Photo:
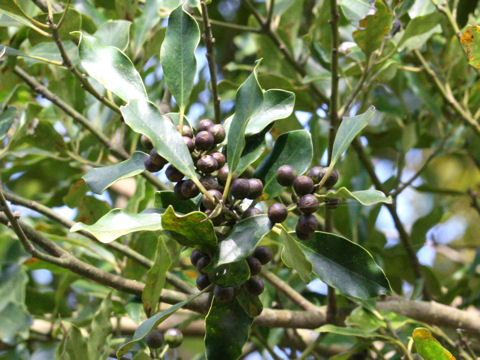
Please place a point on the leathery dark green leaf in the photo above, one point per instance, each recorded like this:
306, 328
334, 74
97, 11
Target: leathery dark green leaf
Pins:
193, 229
227, 327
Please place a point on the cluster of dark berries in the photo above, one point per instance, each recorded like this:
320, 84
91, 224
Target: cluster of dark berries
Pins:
255, 286
172, 337
304, 187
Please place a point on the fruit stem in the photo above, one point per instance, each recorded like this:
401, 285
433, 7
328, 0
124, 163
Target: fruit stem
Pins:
164, 351
227, 186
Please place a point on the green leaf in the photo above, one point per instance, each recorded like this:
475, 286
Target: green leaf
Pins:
364, 197
355, 10
15, 320
227, 327
49, 51
373, 28
101, 329
151, 323
99, 179
470, 40
6, 120
294, 257
145, 118
192, 230
155, 280
293, 148
114, 33
254, 147
141, 356
117, 223
232, 274
248, 101
361, 333
73, 345
111, 68
345, 265
429, 347
277, 104
243, 239
251, 304
419, 26
177, 54
349, 128
13, 12
164, 199
366, 320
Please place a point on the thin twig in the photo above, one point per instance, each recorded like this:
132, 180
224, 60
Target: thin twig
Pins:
209, 43
230, 25
475, 204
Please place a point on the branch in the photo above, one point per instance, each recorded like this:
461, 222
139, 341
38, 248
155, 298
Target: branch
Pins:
473, 196
209, 42
119, 153
120, 248
232, 26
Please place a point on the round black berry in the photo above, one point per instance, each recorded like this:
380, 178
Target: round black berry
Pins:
306, 226
219, 157
207, 164
224, 294
146, 142
256, 188
255, 285
303, 185
189, 142
317, 173
154, 339
240, 188
209, 182
202, 263
332, 179
173, 174
222, 174
186, 130
195, 256
218, 132
202, 281
264, 254
286, 174
277, 213
332, 203
255, 265
177, 189
252, 211
173, 338
204, 140
157, 159
189, 189
209, 204
308, 204
150, 166
204, 125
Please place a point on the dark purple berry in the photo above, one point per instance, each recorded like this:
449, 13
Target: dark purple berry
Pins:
220, 158
240, 188
195, 256
286, 174
204, 125
224, 294
255, 265
264, 254
209, 182
150, 166
202, 263
189, 189
154, 339
177, 189
332, 203
252, 211
303, 185
207, 164
277, 213
202, 281
189, 142
186, 130
204, 140
209, 204
308, 204
317, 173
173, 338
157, 159
255, 285
256, 188
146, 142
303, 235
222, 174
173, 174
218, 132
332, 179
306, 226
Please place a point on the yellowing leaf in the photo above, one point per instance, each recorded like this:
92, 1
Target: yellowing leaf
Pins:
470, 40
429, 347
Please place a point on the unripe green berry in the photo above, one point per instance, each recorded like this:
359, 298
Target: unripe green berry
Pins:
173, 338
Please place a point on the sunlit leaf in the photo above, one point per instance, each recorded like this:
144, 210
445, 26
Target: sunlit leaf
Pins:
429, 347
364, 197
